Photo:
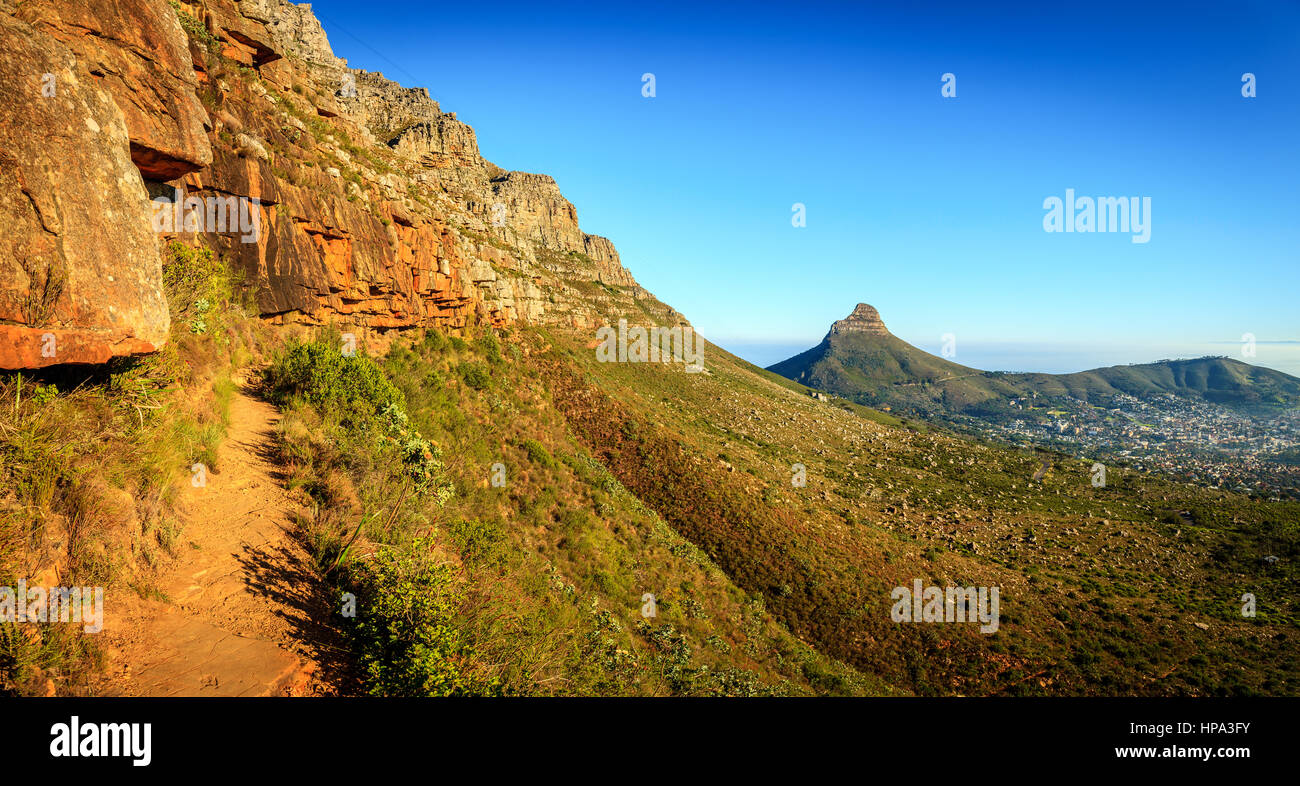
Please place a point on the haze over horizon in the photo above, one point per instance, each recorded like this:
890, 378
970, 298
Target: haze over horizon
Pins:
938, 202
1045, 357
1050, 359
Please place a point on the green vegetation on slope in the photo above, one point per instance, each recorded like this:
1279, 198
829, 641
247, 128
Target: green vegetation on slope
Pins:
499, 508
533, 584
1104, 590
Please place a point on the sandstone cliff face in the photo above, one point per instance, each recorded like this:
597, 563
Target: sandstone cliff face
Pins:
136, 51
864, 319
370, 206
80, 279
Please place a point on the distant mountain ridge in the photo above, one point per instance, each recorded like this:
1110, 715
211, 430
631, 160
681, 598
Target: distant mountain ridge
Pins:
862, 361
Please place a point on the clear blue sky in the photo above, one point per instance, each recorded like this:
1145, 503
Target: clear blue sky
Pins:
929, 208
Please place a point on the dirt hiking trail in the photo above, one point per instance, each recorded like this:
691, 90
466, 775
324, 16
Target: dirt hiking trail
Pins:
241, 611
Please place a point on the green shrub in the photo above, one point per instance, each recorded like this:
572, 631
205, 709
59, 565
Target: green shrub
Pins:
355, 391
421, 458
434, 341
353, 387
475, 375
195, 281
404, 633
193, 27
538, 454
490, 348
476, 540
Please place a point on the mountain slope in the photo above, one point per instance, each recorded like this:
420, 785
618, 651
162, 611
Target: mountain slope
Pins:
1220, 380
1091, 578
861, 360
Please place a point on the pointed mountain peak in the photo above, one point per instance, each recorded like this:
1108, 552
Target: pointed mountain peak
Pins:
864, 319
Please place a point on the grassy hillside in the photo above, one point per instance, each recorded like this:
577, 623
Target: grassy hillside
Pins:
532, 574
502, 504
1104, 591
1216, 379
625, 479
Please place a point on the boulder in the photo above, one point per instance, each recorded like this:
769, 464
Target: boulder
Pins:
80, 271
138, 52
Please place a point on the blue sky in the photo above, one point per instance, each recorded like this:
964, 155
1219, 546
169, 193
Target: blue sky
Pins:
929, 208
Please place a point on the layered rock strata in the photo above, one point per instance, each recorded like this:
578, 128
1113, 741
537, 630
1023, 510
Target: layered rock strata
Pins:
340, 195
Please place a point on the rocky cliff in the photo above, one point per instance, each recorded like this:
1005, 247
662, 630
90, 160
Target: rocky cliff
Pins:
864, 319
340, 195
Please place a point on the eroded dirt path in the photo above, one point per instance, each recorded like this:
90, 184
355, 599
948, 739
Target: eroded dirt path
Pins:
241, 611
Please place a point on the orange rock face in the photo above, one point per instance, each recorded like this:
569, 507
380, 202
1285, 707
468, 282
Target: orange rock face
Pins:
79, 263
340, 195
138, 52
